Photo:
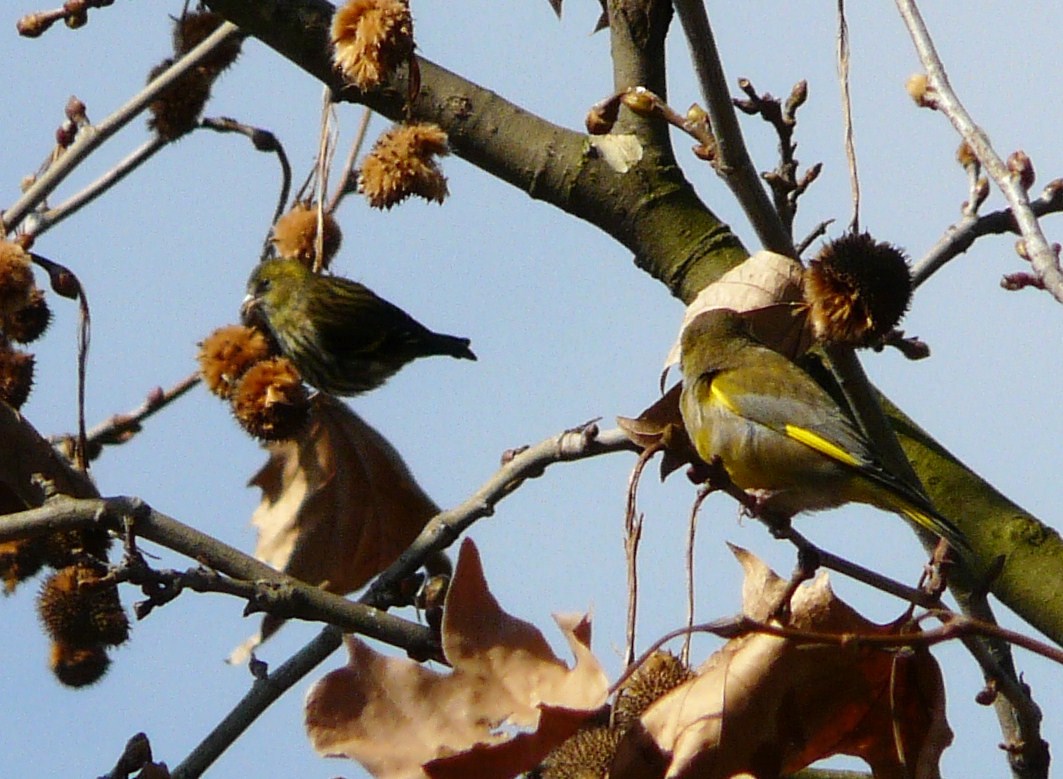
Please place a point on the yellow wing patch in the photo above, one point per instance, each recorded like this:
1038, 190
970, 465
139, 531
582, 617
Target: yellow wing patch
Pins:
720, 397
821, 444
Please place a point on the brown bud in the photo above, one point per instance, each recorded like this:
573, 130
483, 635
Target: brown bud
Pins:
1021, 168
75, 111
640, 100
920, 91
602, 116
965, 155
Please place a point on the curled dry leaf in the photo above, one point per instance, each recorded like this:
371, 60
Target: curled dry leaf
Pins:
401, 720
768, 706
768, 286
662, 424
338, 505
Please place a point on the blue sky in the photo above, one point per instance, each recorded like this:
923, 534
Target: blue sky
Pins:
566, 329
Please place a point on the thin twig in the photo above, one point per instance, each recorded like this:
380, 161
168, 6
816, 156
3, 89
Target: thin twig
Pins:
305, 602
349, 180
692, 529
120, 427
632, 537
91, 138
264, 691
1043, 258
847, 115
444, 528
265, 141
41, 221
733, 157
959, 237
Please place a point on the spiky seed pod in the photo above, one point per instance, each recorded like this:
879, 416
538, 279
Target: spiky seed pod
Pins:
67, 547
587, 754
270, 401
176, 110
29, 322
227, 353
77, 610
16, 376
78, 666
402, 163
370, 38
19, 560
193, 28
661, 673
295, 235
16, 277
857, 289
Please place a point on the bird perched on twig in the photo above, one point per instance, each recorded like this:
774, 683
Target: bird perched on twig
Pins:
342, 337
780, 435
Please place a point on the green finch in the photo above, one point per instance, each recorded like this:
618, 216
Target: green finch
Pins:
341, 337
779, 435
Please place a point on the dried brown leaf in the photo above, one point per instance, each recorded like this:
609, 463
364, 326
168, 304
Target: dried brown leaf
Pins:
399, 719
338, 504
662, 424
767, 288
767, 706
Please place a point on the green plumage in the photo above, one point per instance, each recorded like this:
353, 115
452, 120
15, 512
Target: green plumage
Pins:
779, 434
342, 337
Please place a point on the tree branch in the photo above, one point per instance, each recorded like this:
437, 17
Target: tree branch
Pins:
1043, 258
650, 208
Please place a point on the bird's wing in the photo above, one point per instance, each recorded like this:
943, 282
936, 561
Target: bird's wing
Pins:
357, 329
780, 396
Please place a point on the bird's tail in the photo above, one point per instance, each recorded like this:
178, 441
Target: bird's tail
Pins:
452, 345
939, 526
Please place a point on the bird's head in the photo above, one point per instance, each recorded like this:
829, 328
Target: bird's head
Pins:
271, 287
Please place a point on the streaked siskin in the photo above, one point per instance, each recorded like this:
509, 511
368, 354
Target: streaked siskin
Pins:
342, 337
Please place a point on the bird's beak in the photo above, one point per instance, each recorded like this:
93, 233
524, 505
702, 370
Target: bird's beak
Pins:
248, 309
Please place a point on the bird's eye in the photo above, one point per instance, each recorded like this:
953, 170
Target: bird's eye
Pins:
262, 286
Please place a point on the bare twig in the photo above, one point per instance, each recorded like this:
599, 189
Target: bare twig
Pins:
74, 12
847, 114
733, 157
349, 178
786, 187
264, 691
1043, 258
265, 141
960, 236
444, 528
91, 138
954, 627
305, 602
692, 529
45, 220
632, 537
121, 427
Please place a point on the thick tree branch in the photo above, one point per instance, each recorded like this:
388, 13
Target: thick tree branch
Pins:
304, 602
650, 208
